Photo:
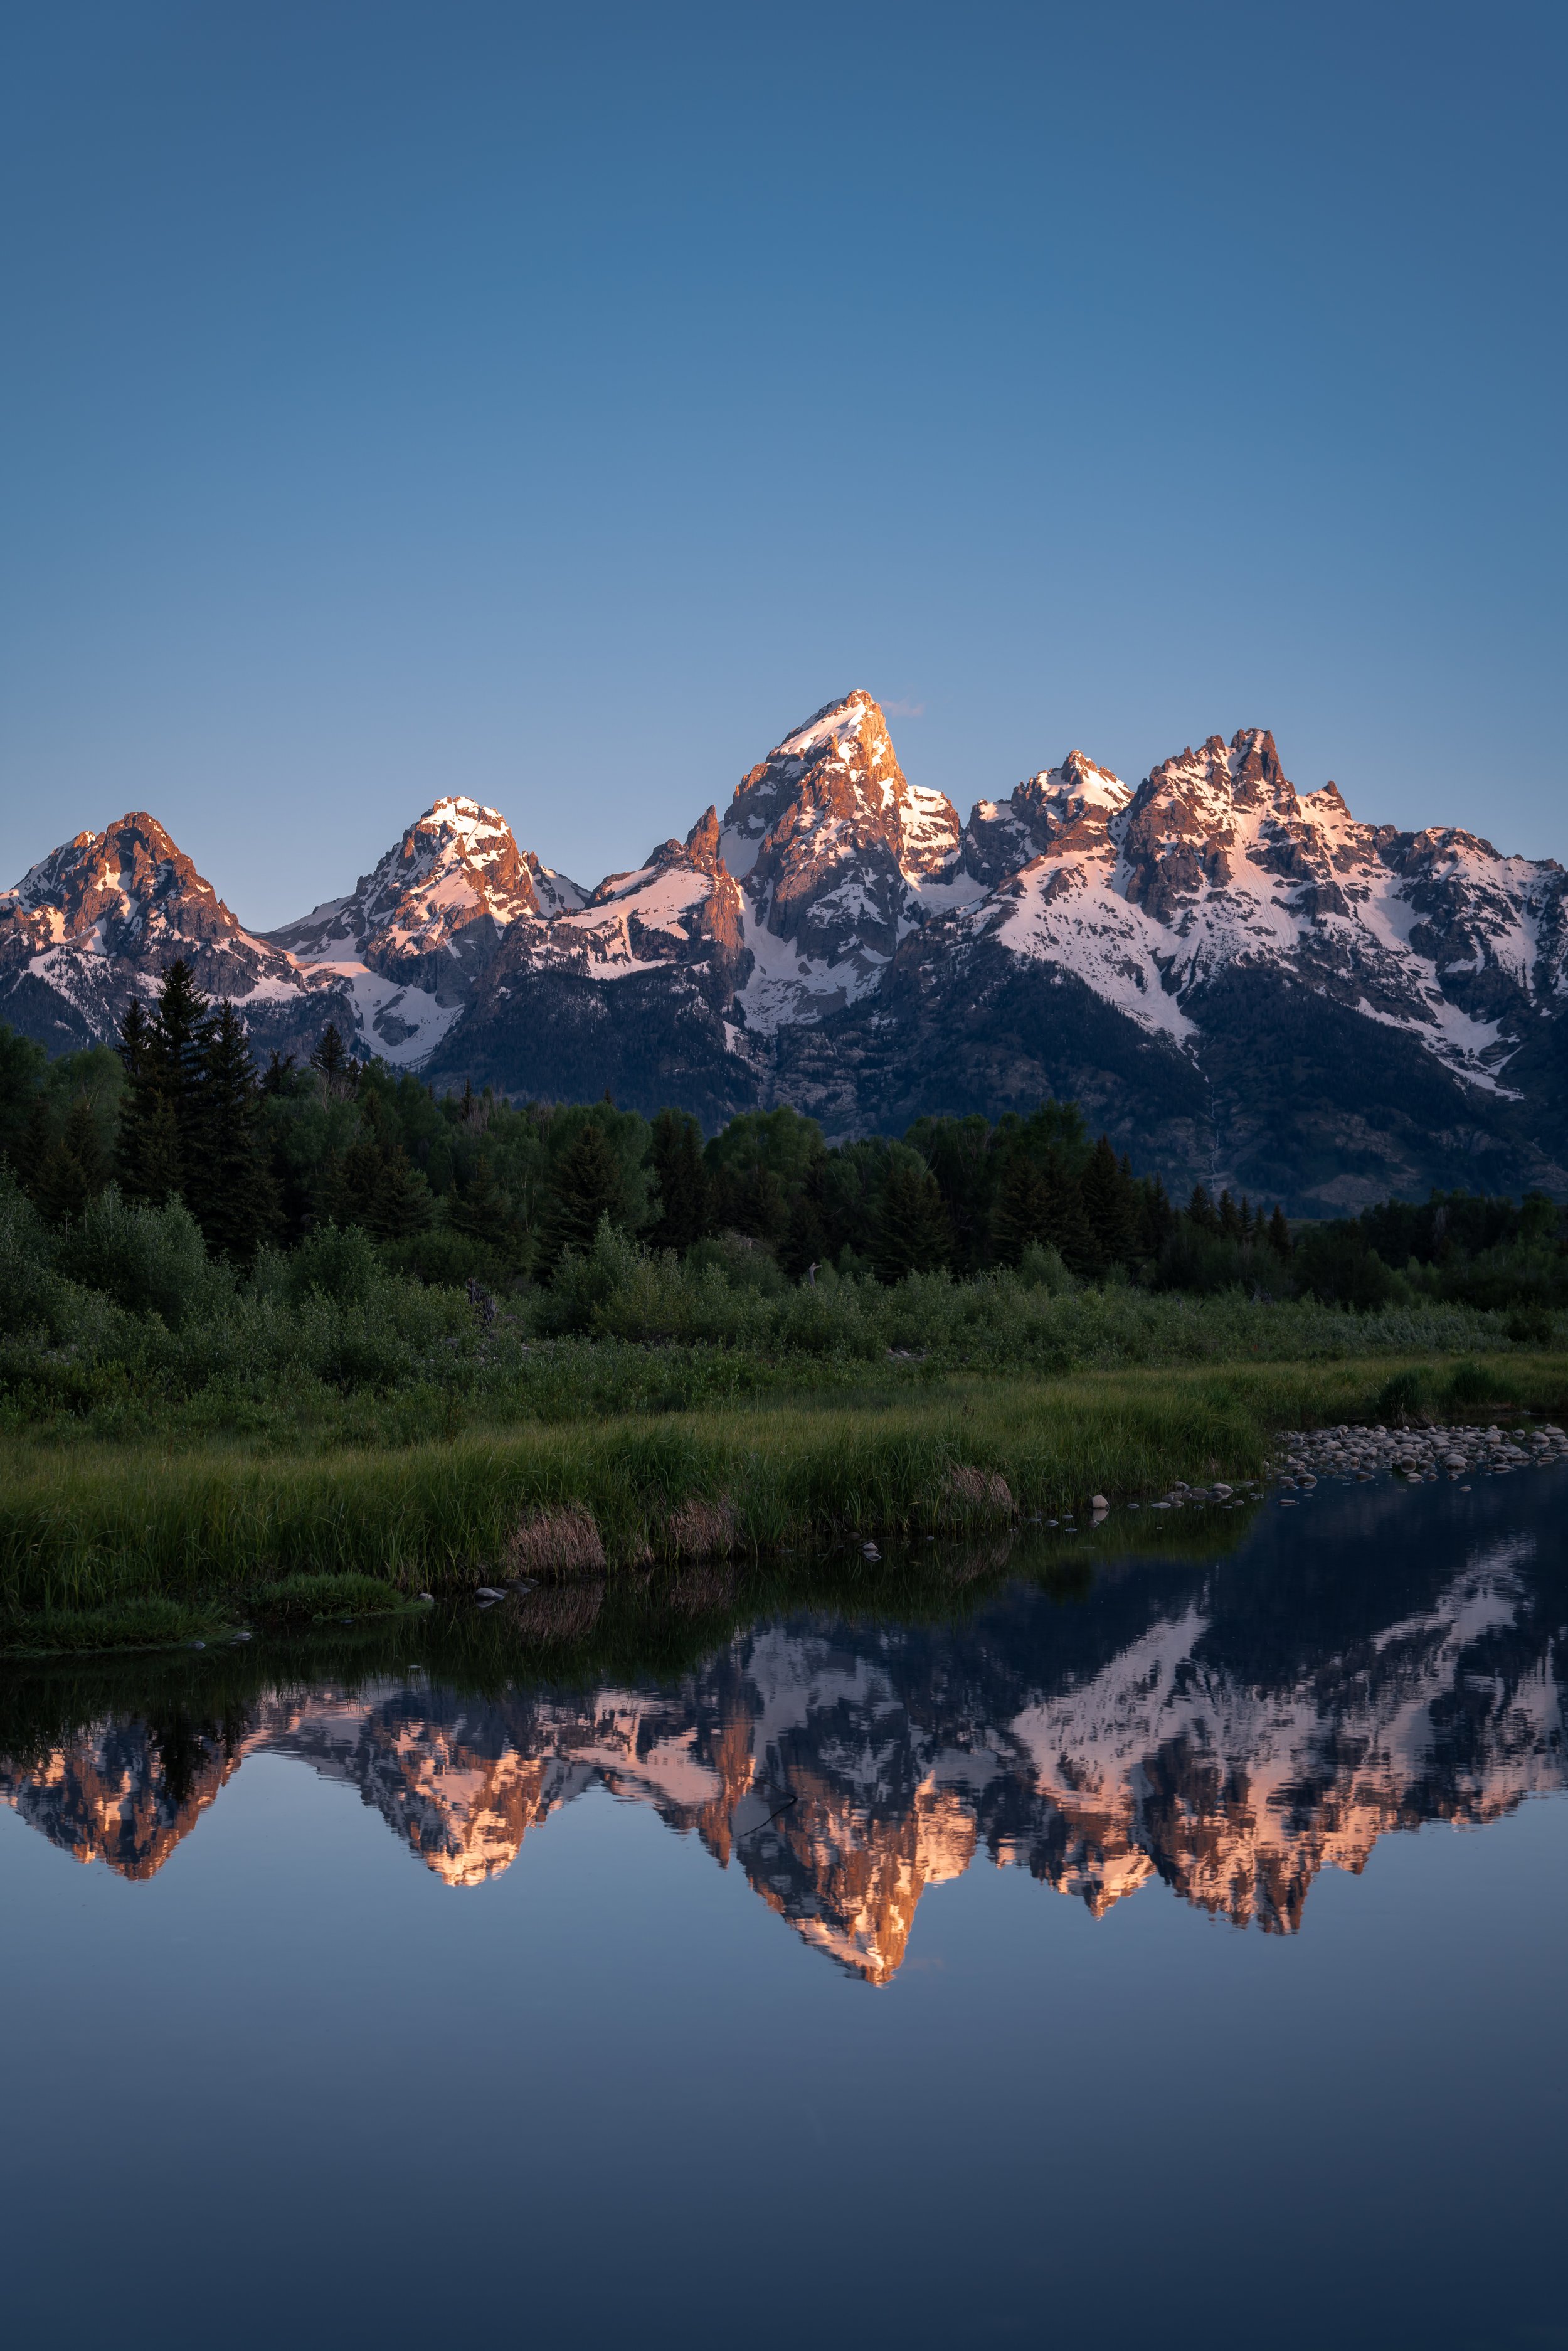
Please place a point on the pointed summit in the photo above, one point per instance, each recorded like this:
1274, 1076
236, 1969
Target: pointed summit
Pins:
441, 898
833, 845
101, 918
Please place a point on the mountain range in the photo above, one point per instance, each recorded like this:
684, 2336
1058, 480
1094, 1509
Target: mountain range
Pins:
1240, 983
1176, 1725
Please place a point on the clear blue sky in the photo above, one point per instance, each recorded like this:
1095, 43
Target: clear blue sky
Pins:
556, 404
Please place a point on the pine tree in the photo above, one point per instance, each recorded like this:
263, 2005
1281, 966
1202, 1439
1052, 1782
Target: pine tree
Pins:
684, 1190
335, 1065
1278, 1233
350, 1183
1230, 1223
587, 1185
1200, 1211
1159, 1218
185, 1028
230, 1184
401, 1204
481, 1212
1024, 1208
1067, 1229
165, 1105
1110, 1205
278, 1070
147, 1150
912, 1234
328, 1055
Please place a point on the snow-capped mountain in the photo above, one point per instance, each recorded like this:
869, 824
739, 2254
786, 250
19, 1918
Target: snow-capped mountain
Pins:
412, 935
100, 920
836, 854
1241, 982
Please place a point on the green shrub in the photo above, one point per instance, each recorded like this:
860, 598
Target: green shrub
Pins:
149, 1261
336, 1261
1401, 1398
30, 1291
1469, 1384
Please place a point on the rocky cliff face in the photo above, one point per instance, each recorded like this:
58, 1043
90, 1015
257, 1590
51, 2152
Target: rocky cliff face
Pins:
1241, 982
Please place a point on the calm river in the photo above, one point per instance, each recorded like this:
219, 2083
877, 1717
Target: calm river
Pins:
1170, 1951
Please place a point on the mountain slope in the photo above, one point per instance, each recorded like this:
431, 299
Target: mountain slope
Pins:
1242, 983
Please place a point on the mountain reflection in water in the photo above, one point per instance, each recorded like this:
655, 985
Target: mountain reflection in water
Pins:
1377, 1662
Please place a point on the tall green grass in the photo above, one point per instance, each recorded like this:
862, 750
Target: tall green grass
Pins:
83, 1526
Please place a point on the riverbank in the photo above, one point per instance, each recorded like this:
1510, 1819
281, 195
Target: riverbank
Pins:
88, 1525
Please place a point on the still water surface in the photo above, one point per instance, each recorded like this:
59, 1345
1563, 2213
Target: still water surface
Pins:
1170, 1953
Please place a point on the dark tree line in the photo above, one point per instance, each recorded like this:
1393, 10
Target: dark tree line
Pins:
470, 1186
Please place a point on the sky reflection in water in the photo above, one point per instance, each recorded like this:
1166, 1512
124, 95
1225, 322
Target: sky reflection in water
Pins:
566, 2070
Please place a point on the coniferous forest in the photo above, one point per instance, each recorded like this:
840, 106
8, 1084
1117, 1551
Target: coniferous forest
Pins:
174, 1174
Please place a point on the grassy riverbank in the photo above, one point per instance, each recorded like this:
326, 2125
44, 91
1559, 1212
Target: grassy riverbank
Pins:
215, 1526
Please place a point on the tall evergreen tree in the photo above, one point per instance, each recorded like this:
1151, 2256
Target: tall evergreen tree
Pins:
1024, 1208
74, 1168
1200, 1211
760, 1205
481, 1212
1068, 1228
1230, 1223
1158, 1215
685, 1187
147, 1150
1110, 1205
164, 1108
329, 1055
1278, 1232
911, 1233
230, 1184
587, 1185
401, 1204
185, 1028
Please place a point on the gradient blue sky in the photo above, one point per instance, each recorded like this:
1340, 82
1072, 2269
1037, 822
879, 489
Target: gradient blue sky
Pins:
556, 405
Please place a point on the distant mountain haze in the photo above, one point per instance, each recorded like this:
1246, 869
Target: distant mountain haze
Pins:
1240, 982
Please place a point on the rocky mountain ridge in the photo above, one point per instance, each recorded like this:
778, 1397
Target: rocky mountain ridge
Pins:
1241, 982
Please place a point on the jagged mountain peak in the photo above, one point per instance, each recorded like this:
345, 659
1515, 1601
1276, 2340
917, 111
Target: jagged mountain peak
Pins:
412, 935
834, 848
1217, 777
454, 882
840, 760
131, 876
1059, 808
101, 918
836, 940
